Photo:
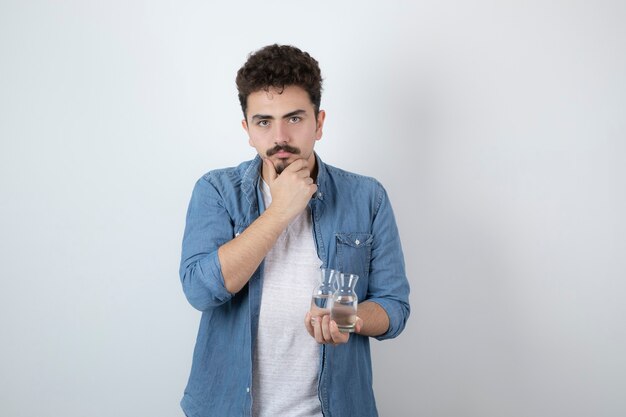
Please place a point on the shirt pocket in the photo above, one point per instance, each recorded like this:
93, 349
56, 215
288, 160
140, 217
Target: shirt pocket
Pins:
354, 251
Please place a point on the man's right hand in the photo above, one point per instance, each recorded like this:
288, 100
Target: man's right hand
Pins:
291, 190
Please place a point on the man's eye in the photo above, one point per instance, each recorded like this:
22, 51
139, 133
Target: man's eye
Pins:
263, 123
294, 119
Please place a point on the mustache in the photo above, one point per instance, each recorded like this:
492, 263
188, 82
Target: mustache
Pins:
285, 148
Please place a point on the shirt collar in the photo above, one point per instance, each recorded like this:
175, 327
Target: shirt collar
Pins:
322, 175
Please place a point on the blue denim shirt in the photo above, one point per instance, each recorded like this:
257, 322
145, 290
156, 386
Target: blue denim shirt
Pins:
354, 231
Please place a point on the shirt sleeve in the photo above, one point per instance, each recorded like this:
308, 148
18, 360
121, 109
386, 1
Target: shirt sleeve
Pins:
388, 284
208, 227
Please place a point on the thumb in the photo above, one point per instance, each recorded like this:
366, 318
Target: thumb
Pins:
358, 325
269, 170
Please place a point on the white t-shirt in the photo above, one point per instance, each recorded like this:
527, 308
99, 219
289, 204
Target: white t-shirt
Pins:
286, 358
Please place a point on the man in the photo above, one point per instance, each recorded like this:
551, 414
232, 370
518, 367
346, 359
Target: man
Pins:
255, 238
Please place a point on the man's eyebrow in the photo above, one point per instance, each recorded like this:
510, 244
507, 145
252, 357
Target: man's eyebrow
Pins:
262, 117
286, 116
294, 113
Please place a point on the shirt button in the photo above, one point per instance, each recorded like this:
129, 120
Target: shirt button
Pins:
357, 242
247, 389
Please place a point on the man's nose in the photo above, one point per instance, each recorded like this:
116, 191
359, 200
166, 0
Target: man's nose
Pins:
281, 133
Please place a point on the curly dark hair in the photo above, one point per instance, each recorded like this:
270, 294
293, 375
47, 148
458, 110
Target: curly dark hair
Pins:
279, 66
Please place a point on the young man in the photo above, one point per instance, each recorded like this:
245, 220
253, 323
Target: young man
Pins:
255, 238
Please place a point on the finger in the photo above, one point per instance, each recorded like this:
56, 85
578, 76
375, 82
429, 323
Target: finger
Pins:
317, 330
326, 329
358, 325
297, 165
336, 335
304, 173
307, 323
269, 170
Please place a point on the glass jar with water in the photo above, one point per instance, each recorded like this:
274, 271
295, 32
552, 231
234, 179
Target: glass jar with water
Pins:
344, 303
323, 293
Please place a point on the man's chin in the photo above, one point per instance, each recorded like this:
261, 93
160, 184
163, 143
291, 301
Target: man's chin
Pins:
281, 164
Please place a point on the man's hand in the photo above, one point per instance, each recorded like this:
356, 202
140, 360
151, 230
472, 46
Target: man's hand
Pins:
325, 331
291, 190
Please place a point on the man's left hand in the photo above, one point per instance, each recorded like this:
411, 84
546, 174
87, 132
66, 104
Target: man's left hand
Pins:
325, 331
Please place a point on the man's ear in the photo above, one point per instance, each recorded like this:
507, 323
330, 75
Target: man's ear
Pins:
321, 116
244, 124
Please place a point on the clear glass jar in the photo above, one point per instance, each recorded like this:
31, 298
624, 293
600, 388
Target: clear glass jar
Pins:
344, 303
323, 293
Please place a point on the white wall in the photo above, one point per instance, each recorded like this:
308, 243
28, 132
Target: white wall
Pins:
498, 128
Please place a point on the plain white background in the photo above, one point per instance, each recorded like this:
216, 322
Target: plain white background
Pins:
498, 129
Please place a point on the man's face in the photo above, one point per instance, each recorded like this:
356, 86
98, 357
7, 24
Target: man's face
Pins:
281, 125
